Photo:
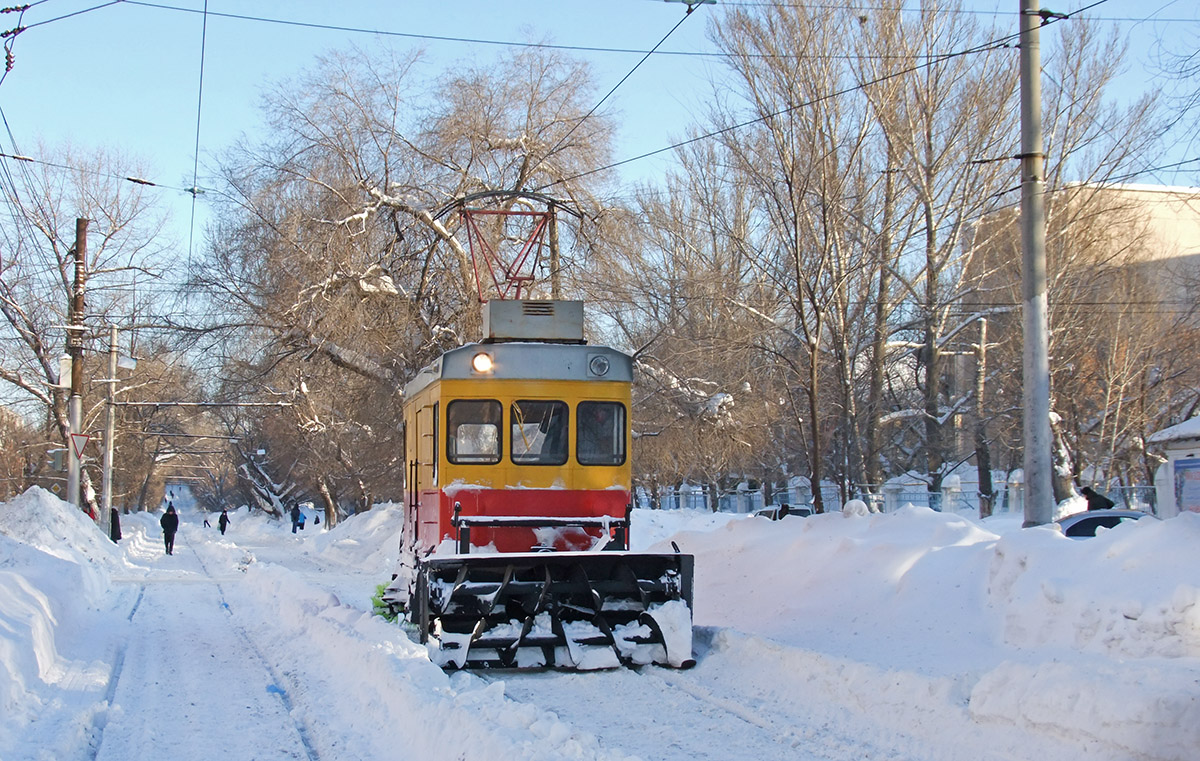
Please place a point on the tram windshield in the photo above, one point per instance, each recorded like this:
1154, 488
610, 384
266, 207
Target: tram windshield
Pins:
473, 431
601, 434
539, 432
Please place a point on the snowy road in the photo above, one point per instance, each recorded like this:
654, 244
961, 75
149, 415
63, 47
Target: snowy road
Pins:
261, 645
188, 681
209, 671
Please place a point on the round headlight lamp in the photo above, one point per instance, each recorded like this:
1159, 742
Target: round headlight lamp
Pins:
482, 363
598, 365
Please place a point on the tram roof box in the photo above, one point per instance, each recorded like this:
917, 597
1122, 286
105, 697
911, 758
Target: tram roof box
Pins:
514, 320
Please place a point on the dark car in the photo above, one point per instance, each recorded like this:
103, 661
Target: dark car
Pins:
1086, 524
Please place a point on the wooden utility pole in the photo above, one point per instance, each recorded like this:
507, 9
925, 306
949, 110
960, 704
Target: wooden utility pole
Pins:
1039, 490
75, 349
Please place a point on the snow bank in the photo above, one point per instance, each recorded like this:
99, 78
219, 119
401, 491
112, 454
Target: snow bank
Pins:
54, 569
942, 634
901, 614
1132, 592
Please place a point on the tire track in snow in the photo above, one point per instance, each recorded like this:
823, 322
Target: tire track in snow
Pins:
191, 686
713, 711
114, 679
275, 688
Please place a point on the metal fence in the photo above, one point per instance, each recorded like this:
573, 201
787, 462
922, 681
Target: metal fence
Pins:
1009, 498
1143, 498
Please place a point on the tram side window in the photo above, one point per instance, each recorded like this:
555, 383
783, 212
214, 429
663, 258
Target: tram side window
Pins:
473, 431
539, 432
601, 433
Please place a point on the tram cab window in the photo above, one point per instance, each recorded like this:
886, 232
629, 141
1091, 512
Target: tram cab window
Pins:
601, 433
473, 431
539, 432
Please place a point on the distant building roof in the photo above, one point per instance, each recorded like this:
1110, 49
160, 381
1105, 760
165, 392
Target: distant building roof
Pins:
1188, 429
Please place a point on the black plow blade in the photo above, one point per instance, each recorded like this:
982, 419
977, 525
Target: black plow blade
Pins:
584, 610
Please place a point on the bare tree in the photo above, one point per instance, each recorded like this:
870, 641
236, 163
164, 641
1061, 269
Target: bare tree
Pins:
339, 266
37, 270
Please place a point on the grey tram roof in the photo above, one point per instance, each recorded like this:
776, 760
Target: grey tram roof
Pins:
530, 340
525, 361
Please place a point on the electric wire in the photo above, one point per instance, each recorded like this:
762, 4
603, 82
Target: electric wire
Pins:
585, 117
199, 110
548, 45
997, 44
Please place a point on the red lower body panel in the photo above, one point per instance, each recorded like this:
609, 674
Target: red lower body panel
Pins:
471, 503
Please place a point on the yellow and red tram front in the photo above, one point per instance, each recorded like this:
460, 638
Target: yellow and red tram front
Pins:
505, 434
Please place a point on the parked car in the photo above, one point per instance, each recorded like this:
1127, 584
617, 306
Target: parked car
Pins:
775, 512
1086, 524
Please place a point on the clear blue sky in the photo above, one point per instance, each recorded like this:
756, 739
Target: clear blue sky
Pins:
126, 75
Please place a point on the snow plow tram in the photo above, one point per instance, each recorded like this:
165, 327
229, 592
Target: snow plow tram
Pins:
515, 546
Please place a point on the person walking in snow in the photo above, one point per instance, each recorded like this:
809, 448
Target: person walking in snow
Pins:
295, 517
223, 522
1095, 500
170, 524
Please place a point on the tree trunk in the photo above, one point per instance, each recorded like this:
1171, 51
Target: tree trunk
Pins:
983, 456
815, 453
331, 511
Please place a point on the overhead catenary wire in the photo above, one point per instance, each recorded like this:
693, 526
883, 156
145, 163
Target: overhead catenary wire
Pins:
194, 190
205, 12
550, 45
997, 44
687, 14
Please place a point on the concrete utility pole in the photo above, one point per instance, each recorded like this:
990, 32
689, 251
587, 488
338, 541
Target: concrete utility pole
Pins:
75, 349
1039, 491
110, 422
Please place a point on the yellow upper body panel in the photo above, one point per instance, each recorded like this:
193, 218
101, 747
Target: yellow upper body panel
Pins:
505, 473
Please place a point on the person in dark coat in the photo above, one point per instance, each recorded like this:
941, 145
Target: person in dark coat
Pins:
170, 524
223, 521
295, 517
1095, 500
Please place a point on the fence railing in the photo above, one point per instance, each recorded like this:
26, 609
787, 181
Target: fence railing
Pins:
1008, 498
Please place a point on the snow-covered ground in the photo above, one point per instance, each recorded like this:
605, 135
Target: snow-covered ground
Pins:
913, 635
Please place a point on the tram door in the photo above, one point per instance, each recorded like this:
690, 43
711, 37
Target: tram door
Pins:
422, 488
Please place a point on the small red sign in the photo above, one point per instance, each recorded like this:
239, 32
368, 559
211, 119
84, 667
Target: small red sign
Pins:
78, 442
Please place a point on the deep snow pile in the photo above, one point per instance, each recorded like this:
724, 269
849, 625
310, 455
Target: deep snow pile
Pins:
936, 625
1096, 639
54, 569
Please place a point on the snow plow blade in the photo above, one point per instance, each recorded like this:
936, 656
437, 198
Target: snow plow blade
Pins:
573, 610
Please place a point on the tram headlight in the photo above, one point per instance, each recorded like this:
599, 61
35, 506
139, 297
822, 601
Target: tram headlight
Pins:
482, 363
598, 364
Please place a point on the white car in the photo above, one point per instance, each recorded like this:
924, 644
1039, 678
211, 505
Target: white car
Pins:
775, 512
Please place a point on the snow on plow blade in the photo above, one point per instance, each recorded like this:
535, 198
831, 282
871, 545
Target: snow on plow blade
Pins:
581, 610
